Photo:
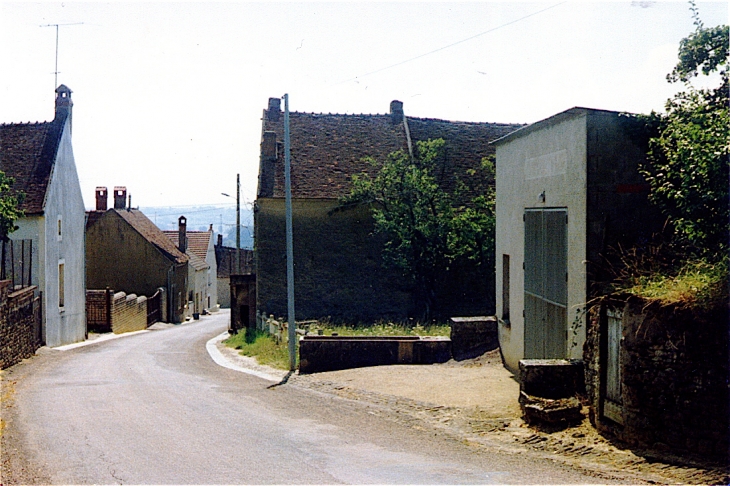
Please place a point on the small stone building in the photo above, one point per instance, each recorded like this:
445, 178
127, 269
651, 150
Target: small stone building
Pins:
568, 192
338, 268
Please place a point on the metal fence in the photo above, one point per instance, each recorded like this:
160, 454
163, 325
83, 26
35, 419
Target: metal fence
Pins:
16, 262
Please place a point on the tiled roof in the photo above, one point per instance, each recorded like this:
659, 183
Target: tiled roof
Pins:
27, 154
198, 241
151, 233
327, 150
196, 262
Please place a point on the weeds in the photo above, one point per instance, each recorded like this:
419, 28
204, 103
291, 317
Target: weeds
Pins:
261, 346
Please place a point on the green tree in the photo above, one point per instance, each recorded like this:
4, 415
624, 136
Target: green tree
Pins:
687, 166
427, 228
9, 207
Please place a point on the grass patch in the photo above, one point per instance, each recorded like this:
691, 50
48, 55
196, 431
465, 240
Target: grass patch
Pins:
382, 329
262, 346
697, 283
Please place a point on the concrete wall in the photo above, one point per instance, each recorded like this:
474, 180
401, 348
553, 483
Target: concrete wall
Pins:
61, 324
19, 316
553, 161
119, 257
338, 270
223, 287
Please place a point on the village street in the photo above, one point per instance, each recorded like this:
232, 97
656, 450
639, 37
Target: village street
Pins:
154, 408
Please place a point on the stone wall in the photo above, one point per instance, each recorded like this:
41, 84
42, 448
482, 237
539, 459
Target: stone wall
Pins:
19, 324
128, 312
674, 375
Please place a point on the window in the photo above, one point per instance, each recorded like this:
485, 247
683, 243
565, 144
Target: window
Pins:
61, 283
505, 288
60, 234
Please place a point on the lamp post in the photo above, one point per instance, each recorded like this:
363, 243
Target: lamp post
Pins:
238, 222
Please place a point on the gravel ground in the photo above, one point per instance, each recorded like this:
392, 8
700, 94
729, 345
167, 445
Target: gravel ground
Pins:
475, 401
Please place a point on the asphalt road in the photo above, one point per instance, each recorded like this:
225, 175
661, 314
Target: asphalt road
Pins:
154, 408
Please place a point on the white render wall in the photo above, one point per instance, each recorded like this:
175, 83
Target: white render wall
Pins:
68, 324
550, 159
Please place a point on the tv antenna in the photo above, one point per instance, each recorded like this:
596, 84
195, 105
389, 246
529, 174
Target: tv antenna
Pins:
55, 72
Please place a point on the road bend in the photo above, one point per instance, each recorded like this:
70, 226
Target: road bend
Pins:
153, 408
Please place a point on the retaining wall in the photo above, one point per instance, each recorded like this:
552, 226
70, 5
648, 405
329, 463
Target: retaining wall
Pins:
115, 312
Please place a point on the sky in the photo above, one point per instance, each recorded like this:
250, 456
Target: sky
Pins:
168, 97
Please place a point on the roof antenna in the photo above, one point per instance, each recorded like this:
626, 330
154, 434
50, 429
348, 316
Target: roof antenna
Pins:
55, 72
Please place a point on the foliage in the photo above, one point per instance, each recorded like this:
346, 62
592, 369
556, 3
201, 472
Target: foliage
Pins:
383, 328
9, 207
687, 165
427, 228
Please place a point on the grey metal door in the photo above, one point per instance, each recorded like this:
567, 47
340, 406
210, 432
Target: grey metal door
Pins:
546, 283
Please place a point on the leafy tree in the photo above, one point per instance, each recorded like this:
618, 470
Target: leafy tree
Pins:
687, 165
9, 207
427, 228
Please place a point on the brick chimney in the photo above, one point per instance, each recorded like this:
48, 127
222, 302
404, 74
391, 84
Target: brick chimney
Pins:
274, 111
396, 112
120, 197
182, 234
64, 104
102, 196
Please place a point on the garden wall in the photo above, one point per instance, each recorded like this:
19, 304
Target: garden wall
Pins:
19, 324
118, 312
673, 378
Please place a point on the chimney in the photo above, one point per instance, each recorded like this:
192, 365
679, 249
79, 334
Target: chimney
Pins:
182, 236
220, 240
272, 114
396, 112
268, 146
102, 196
63, 103
120, 197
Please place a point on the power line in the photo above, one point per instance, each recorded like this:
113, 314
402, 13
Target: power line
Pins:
450, 45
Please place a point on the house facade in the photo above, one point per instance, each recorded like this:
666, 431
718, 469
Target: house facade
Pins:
39, 156
199, 246
568, 194
126, 252
339, 271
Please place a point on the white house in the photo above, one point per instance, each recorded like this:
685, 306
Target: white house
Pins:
202, 268
39, 156
568, 194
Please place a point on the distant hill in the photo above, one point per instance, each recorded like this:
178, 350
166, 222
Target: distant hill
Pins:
223, 219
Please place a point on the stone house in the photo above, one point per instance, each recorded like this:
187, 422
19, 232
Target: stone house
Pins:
39, 156
202, 266
227, 264
126, 252
568, 192
338, 264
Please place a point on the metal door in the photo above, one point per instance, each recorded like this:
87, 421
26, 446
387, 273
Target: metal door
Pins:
546, 283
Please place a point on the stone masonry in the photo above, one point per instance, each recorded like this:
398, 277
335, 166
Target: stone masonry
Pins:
19, 324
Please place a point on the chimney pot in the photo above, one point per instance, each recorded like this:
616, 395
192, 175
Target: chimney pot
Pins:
102, 196
274, 109
182, 237
120, 197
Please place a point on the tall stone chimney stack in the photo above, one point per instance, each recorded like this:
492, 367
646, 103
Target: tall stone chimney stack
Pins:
274, 111
102, 196
64, 104
182, 234
120, 197
396, 111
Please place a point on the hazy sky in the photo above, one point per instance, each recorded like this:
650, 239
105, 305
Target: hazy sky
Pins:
168, 96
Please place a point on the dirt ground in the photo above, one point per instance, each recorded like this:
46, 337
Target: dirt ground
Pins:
475, 401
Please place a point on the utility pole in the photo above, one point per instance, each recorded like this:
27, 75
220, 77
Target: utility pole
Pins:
289, 240
238, 223
55, 72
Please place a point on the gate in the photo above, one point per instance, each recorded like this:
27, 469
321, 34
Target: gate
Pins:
16, 262
613, 400
153, 308
546, 283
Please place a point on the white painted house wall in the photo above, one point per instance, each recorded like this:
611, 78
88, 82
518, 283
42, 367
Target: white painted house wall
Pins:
550, 159
67, 324
212, 280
